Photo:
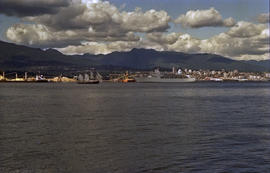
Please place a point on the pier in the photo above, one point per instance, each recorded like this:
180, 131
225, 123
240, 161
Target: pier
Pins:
14, 77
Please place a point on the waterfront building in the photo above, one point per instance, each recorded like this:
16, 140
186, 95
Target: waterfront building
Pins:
267, 75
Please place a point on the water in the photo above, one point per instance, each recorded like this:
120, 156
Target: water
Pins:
126, 128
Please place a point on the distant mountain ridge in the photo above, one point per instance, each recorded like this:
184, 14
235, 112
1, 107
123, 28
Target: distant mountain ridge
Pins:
263, 63
18, 57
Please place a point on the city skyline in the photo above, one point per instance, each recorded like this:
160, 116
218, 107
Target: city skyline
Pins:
236, 29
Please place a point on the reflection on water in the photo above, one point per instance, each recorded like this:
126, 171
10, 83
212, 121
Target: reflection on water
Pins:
195, 127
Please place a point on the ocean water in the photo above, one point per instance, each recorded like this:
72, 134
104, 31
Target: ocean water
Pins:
133, 128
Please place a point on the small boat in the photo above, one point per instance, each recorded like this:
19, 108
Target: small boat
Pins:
41, 79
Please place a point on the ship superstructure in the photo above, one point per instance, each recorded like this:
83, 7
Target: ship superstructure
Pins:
166, 77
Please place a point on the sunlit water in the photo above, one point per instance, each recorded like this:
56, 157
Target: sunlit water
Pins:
126, 128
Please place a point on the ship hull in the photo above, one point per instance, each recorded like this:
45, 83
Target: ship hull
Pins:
163, 80
42, 81
89, 82
39, 81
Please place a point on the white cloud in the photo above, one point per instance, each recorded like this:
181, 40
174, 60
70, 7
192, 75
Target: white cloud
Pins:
161, 38
243, 41
241, 48
186, 43
99, 27
90, 2
103, 16
247, 45
240, 42
30, 34
88, 21
254, 57
99, 48
246, 29
203, 18
38, 35
149, 21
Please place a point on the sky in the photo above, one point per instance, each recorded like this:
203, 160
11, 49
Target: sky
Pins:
238, 29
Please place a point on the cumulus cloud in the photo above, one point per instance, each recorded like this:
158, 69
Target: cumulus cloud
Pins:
103, 16
78, 16
251, 46
31, 7
237, 43
175, 42
247, 46
157, 40
161, 38
264, 18
98, 27
22, 33
254, 57
38, 35
97, 21
149, 21
245, 29
100, 48
203, 18
186, 43
225, 45
243, 41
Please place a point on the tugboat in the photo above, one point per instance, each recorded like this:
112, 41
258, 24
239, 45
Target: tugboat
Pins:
92, 77
128, 80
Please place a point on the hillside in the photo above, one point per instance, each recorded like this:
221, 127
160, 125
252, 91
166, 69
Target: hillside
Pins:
149, 58
17, 57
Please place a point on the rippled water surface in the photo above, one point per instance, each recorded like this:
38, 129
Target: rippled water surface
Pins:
126, 128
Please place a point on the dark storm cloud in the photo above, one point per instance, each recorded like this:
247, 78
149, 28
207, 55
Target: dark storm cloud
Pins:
22, 8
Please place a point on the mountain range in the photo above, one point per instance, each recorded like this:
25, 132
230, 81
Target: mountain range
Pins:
22, 58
